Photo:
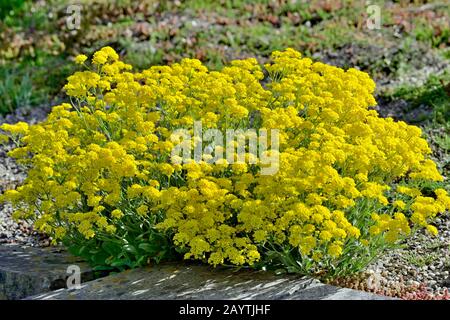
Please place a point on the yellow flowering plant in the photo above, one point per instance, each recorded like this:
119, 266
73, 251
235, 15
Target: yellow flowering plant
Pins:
102, 180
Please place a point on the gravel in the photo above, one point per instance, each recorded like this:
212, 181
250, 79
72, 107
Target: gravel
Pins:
384, 63
422, 259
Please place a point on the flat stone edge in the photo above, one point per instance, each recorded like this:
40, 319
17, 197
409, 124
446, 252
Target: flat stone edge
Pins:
143, 284
339, 294
26, 271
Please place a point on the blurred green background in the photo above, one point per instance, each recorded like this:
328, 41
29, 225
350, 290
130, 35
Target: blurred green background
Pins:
408, 56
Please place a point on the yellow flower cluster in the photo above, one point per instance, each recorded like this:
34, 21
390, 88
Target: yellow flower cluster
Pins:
106, 157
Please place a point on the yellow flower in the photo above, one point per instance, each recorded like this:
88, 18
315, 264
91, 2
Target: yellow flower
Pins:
80, 59
335, 249
364, 242
399, 204
99, 58
142, 210
432, 229
117, 214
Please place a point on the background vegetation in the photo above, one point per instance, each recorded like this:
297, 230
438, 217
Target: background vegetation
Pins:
408, 56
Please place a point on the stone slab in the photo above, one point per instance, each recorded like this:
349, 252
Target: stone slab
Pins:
26, 271
191, 281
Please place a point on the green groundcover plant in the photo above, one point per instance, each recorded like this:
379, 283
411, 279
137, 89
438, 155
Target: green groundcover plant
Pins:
104, 181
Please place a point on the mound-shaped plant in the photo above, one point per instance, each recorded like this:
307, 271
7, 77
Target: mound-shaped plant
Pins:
102, 177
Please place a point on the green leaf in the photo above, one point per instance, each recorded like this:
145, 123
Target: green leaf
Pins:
103, 268
82, 250
147, 247
100, 257
121, 263
130, 249
141, 261
112, 248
